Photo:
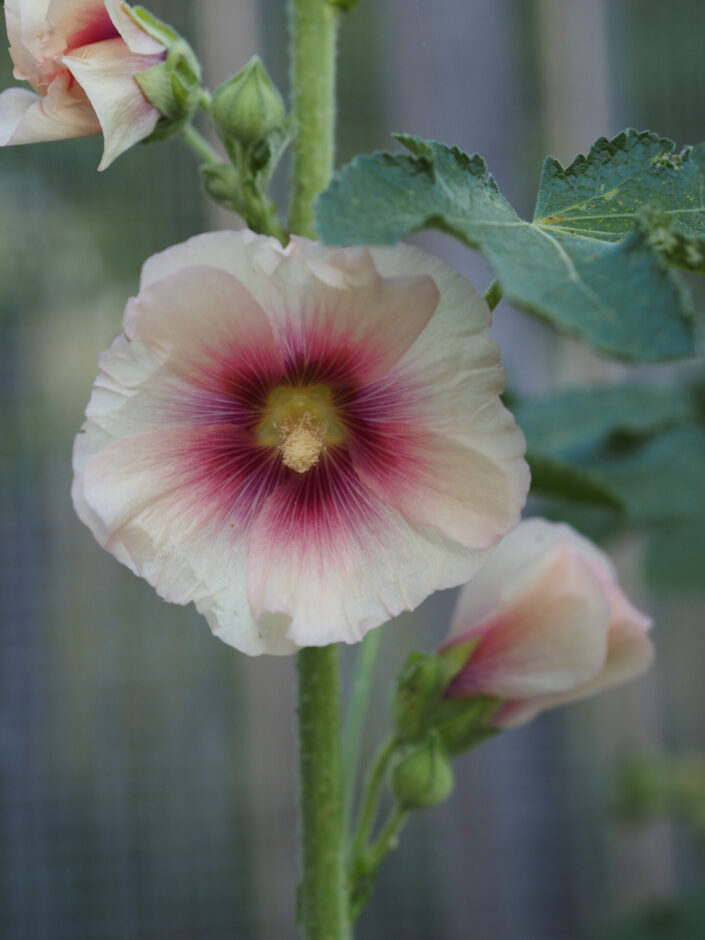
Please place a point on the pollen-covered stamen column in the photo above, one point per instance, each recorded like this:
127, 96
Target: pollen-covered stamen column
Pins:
323, 907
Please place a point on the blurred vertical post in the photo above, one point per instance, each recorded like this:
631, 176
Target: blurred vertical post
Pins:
576, 84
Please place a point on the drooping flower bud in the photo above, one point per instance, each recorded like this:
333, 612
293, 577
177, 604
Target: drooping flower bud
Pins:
550, 622
248, 107
421, 775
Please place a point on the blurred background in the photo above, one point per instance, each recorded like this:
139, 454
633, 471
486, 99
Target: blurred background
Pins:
147, 781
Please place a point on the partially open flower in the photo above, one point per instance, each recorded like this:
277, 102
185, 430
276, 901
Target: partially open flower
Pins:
550, 621
303, 441
81, 56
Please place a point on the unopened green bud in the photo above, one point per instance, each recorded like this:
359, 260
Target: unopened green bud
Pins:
421, 775
248, 106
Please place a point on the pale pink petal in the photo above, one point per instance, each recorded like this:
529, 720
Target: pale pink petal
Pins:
136, 39
207, 324
551, 638
77, 23
337, 561
248, 257
455, 358
187, 336
26, 27
432, 480
630, 654
315, 306
369, 320
26, 118
106, 71
517, 562
154, 500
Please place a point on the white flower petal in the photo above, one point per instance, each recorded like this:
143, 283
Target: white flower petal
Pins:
106, 71
26, 25
551, 638
435, 481
136, 39
338, 561
26, 118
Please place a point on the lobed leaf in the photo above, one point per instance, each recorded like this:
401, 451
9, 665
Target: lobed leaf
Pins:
601, 196
620, 295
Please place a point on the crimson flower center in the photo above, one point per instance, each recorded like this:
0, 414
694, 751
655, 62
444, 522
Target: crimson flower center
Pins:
300, 422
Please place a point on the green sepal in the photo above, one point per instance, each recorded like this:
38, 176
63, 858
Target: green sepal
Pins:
418, 689
421, 775
419, 705
453, 658
464, 723
173, 87
152, 25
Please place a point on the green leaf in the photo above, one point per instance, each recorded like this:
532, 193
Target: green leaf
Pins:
551, 476
565, 430
600, 196
675, 556
575, 420
662, 480
579, 284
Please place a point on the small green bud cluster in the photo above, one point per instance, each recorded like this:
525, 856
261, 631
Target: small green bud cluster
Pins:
250, 117
430, 729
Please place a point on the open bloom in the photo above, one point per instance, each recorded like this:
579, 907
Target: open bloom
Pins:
81, 57
552, 622
303, 441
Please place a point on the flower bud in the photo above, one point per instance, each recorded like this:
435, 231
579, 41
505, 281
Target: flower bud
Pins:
248, 106
421, 775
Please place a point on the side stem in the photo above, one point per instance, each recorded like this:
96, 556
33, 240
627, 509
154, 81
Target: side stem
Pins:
314, 29
357, 712
323, 907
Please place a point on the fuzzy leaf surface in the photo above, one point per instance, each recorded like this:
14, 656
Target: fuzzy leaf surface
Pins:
619, 295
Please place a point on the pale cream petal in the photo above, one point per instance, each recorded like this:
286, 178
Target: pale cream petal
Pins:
435, 481
26, 22
137, 498
106, 70
551, 638
513, 566
26, 118
338, 567
136, 39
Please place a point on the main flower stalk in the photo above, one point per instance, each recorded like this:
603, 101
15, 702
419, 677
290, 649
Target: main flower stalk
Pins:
323, 905
314, 29
323, 909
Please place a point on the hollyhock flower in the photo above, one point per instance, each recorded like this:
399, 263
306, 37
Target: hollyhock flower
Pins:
304, 441
551, 623
81, 57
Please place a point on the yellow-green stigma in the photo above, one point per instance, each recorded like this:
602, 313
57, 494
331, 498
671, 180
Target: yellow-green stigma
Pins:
300, 421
